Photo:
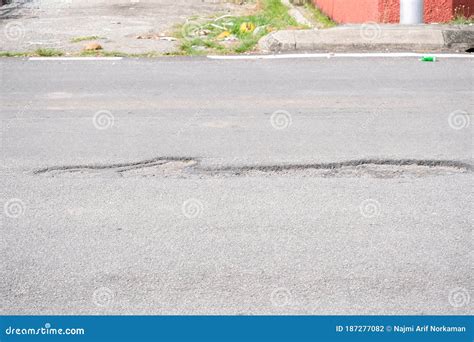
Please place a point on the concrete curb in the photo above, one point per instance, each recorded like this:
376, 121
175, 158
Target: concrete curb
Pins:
296, 14
372, 37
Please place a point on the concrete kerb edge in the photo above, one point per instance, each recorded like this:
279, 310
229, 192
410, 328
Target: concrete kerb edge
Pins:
461, 39
442, 39
272, 42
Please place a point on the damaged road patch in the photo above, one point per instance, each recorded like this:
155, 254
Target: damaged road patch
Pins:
164, 167
182, 167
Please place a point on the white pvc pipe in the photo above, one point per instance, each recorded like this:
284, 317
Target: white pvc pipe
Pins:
411, 12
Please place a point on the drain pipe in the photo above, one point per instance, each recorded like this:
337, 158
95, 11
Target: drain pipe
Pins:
411, 12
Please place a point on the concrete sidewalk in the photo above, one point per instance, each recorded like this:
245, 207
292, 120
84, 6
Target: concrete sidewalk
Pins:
372, 37
26, 25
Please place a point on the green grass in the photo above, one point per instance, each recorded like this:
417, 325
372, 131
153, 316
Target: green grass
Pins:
102, 53
13, 54
191, 47
44, 52
319, 16
462, 20
460, 16
273, 15
85, 38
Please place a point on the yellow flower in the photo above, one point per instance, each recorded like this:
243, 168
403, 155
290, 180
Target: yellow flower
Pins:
223, 35
247, 27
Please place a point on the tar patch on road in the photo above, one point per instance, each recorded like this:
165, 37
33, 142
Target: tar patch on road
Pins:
177, 167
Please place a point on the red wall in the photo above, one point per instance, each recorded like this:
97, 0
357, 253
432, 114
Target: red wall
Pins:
350, 11
467, 6
388, 11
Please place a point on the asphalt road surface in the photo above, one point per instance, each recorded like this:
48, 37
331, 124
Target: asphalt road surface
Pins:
198, 186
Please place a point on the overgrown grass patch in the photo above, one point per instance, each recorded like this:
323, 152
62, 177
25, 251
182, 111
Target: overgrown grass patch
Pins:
98, 53
102, 53
45, 52
13, 54
460, 18
319, 17
234, 34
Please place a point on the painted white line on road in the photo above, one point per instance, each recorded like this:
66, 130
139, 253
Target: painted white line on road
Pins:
75, 58
346, 55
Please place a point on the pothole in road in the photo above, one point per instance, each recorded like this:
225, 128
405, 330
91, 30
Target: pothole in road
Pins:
177, 167
159, 167
366, 170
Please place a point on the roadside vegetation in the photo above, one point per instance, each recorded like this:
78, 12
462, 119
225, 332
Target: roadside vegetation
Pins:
102, 53
13, 54
321, 19
57, 53
48, 53
226, 34
36, 53
460, 17
85, 38
234, 34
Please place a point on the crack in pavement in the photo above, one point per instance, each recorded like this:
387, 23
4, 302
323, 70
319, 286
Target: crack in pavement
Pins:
120, 167
355, 163
186, 167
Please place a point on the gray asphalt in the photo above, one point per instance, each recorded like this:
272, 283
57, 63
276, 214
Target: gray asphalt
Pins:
179, 203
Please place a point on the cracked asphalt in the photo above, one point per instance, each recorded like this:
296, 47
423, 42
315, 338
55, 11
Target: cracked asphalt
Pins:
186, 167
253, 243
